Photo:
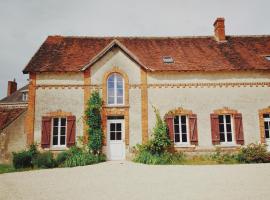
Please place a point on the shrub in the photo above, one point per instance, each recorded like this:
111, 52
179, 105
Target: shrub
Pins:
44, 160
155, 151
224, 157
79, 157
93, 120
254, 153
33, 150
22, 159
164, 158
61, 158
160, 141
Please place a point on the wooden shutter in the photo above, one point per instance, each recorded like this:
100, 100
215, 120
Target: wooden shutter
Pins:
215, 129
193, 132
46, 132
238, 128
169, 121
71, 130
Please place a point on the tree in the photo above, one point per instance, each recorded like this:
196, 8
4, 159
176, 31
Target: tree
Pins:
93, 120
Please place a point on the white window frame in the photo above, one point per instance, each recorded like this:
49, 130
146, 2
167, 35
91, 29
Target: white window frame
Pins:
115, 90
181, 143
59, 132
225, 129
25, 96
266, 119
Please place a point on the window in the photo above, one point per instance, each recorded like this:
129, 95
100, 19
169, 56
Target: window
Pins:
180, 129
225, 128
59, 131
267, 58
266, 118
167, 59
25, 96
115, 131
115, 85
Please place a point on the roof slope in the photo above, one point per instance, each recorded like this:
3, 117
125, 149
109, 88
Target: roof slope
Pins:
15, 97
8, 115
60, 53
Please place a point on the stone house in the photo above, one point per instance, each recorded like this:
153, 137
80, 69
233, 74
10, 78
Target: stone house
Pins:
213, 91
12, 121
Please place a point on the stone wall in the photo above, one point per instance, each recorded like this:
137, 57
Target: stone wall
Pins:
51, 96
12, 139
246, 92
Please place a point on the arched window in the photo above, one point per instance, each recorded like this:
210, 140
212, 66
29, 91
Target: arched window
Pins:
115, 89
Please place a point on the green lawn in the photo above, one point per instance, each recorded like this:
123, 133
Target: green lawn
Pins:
6, 168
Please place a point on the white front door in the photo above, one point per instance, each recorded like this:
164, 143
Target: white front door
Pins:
116, 139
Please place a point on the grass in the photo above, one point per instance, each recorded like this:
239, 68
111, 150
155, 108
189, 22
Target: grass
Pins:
4, 168
206, 160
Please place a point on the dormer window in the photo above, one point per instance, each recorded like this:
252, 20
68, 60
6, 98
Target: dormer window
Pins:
167, 59
25, 96
267, 58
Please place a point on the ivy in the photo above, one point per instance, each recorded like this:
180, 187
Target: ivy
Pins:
93, 120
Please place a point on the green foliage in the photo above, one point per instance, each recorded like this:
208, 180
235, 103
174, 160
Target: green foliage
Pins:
155, 151
44, 160
33, 150
6, 168
22, 159
224, 157
146, 157
80, 157
61, 158
254, 153
160, 141
93, 119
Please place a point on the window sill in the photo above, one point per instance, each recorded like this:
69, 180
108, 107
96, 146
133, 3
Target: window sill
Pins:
228, 145
184, 145
116, 106
58, 148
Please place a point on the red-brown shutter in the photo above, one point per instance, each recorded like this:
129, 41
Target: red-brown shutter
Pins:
215, 129
46, 132
238, 128
193, 132
71, 130
169, 121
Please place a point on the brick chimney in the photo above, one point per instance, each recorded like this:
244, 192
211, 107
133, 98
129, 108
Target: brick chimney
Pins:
220, 29
12, 87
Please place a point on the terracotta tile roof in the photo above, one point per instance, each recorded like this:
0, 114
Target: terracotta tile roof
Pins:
60, 53
15, 97
8, 115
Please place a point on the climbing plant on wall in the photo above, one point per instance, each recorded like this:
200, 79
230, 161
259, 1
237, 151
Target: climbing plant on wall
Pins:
93, 120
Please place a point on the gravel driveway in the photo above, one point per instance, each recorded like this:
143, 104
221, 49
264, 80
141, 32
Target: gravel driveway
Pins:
127, 180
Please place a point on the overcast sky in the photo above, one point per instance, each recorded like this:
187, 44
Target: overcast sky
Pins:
25, 24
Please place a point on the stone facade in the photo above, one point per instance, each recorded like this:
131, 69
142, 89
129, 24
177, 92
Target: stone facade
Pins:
205, 92
244, 91
12, 139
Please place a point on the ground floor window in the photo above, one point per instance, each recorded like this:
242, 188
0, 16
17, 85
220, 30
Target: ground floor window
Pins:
59, 131
266, 118
180, 130
225, 128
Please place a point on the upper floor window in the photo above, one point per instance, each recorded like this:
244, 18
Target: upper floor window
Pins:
115, 89
25, 96
225, 128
